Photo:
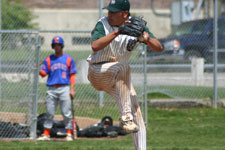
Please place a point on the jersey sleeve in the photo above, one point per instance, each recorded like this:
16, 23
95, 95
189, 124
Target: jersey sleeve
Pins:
98, 31
72, 79
73, 67
46, 65
150, 34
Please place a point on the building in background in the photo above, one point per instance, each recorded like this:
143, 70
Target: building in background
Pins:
162, 15
82, 15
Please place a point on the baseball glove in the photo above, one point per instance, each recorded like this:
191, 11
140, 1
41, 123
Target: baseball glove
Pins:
135, 27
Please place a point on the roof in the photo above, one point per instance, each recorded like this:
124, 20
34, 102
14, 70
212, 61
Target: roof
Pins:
161, 4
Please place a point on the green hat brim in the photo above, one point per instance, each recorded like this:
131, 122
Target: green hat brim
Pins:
112, 9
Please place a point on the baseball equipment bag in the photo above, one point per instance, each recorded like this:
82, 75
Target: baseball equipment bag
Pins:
58, 129
15, 130
135, 27
105, 128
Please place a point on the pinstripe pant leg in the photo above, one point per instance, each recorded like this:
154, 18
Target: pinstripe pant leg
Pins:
113, 78
122, 89
139, 138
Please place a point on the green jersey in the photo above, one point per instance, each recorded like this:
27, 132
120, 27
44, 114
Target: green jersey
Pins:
99, 31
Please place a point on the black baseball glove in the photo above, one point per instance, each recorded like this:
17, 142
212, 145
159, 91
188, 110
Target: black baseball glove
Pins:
135, 28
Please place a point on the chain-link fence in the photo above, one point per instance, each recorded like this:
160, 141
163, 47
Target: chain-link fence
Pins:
179, 80
23, 91
171, 79
18, 84
185, 69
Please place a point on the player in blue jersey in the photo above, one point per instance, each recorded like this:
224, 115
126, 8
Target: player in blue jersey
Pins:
60, 69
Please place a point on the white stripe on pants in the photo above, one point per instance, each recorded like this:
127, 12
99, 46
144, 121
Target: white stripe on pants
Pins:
114, 78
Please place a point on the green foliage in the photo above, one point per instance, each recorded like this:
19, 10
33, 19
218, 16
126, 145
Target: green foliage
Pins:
16, 16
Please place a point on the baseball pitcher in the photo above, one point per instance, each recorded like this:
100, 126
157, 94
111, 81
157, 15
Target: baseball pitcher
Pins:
113, 40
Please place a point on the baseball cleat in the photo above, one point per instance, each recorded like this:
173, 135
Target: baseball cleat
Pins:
69, 137
127, 124
43, 138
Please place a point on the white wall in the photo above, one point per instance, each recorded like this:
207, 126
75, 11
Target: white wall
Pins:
85, 19
69, 19
65, 19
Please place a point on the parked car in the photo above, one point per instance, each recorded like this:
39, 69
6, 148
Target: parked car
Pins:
192, 39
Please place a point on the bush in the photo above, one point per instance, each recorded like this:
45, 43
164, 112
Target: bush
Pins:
16, 16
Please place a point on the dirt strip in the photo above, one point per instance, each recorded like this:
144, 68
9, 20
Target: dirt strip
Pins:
13, 117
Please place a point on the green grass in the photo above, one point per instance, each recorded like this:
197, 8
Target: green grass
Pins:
17, 55
23, 55
189, 92
172, 129
86, 91
21, 91
76, 55
187, 129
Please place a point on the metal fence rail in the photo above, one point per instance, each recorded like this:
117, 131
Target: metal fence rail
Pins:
175, 66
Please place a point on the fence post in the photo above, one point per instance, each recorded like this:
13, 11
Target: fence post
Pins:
33, 125
101, 93
0, 52
145, 106
197, 69
145, 86
215, 54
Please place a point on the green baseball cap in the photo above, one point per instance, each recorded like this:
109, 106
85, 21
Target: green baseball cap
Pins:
118, 5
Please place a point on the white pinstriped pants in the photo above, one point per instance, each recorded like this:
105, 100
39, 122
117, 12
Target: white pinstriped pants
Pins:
114, 78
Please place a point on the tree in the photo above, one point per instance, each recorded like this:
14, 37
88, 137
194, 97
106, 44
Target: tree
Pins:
16, 16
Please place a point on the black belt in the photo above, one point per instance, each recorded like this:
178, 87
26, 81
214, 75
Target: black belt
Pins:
103, 62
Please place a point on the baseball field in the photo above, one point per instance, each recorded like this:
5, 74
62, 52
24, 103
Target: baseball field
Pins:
168, 129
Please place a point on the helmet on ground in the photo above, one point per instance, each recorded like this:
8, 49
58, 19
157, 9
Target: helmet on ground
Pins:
107, 121
57, 40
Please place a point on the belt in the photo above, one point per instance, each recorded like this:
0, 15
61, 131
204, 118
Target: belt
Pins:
103, 62
58, 85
